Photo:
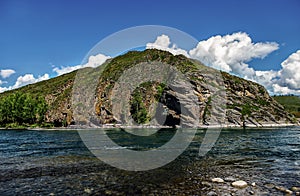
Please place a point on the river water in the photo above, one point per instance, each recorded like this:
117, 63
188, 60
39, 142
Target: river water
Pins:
56, 162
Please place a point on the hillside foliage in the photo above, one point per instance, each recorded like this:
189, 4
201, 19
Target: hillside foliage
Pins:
291, 103
19, 109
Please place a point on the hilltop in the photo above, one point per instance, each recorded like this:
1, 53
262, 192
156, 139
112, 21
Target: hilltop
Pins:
247, 103
290, 102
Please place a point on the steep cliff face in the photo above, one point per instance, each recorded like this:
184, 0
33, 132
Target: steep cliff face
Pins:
220, 97
244, 103
250, 103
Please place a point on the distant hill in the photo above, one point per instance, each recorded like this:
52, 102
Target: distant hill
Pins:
246, 103
290, 103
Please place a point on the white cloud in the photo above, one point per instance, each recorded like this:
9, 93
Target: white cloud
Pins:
25, 80
94, 61
29, 79
290, 73
232, 53
5, 73
266, 78
163, 42
288, 78
2, 89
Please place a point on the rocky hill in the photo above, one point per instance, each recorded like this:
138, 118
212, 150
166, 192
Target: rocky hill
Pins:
291, 103
220, 97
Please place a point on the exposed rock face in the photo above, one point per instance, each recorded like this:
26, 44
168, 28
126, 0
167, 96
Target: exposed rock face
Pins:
222, 99
60, 100
177, 97
249, 103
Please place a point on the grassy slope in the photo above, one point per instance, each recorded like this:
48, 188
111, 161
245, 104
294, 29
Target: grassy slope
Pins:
59, 87
291, 104
44, 87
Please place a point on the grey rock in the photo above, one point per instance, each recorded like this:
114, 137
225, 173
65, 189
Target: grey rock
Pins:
205, 183
218, 180
229, 179
269, 186
296, 189
239, 184
289, 192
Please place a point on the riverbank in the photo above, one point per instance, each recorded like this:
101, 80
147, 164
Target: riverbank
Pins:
266, 125
109, 126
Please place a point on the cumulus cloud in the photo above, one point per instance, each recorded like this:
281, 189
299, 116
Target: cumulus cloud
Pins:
25, 80
232, 53
266, 78
2, 89
29, 79
290, 73
93, 61
163, 42
288, 78
5, 73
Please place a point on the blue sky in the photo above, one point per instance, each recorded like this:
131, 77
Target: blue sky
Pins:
37, 35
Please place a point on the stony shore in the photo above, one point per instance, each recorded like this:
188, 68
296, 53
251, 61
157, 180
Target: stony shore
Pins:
108, 126
79, 176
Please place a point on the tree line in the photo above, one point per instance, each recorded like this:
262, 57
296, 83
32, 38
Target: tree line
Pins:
22, 109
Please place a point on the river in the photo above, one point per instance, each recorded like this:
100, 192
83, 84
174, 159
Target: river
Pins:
57, 162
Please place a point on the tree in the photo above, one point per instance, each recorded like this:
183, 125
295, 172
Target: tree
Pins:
22, 108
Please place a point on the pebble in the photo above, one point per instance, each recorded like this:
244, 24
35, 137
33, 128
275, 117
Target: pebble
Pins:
269, 186
51, 194
88, 191
239, 184
280, 188
211, 193
253, 184
296, 189
297, 193
206, 183
218, 180
229, 179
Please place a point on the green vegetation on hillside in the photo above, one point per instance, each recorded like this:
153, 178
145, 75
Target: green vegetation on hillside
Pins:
46, 87
142, 98
121, 63
22, 109
58, 90
291, 103
137, 109
51, 101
